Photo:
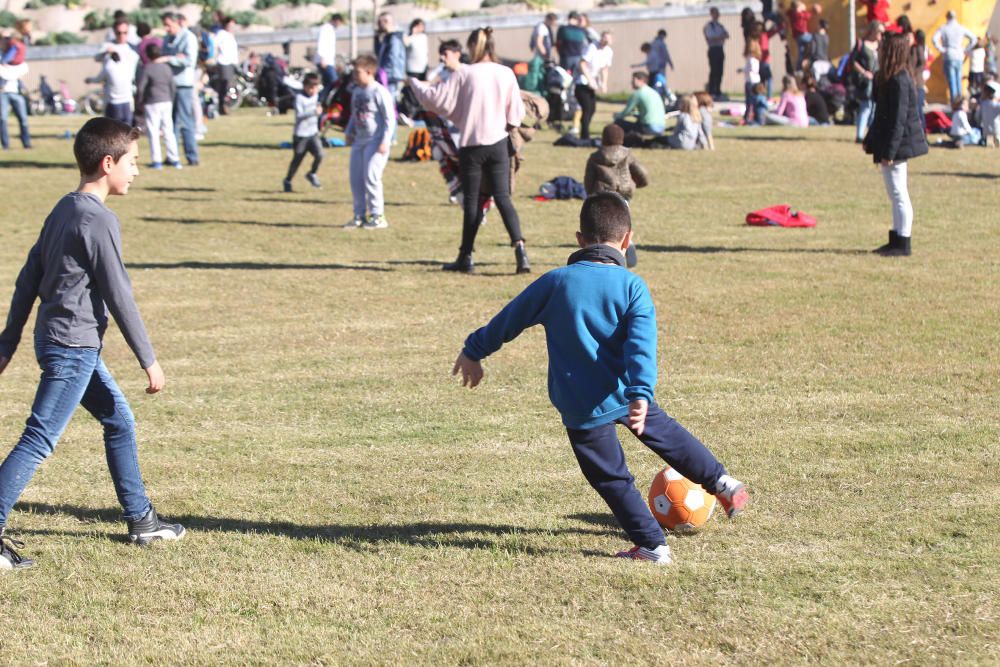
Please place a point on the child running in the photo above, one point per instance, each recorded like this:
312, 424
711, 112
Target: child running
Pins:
369, 132
600, 329
76, 270
305, 139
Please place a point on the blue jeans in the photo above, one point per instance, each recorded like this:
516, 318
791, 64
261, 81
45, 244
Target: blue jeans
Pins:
121, 112
641, 128
802, 41
14, 101
864, 118
328, 74
74, 376
953, 73
184, 123
600, 455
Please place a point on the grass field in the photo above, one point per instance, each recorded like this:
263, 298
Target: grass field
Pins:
349, 503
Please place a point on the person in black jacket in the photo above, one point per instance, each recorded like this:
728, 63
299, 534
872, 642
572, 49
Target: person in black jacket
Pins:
896, 136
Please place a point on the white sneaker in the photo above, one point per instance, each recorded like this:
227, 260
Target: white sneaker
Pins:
660, 555
355, 223
375, 222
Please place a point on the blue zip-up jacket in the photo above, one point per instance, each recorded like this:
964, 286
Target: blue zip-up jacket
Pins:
600, 330
391, 52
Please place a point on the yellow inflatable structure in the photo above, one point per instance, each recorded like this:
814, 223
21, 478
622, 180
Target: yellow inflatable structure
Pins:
979, 16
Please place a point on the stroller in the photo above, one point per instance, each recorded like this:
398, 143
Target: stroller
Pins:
275, 86
557, 83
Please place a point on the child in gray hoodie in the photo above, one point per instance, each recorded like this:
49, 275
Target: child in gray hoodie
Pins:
614, 168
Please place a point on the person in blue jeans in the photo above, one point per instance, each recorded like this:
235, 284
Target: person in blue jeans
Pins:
76, 271
600, 330
180, 51
13, 101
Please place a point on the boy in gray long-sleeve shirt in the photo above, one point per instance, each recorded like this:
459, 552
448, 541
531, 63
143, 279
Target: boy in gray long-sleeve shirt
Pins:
76, 270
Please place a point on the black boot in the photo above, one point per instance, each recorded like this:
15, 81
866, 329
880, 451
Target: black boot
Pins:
901, 249
521, 257
891, 245
463, 264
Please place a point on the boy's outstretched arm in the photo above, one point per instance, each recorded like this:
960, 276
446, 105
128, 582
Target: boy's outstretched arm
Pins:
25, 293
472, 371
524, 311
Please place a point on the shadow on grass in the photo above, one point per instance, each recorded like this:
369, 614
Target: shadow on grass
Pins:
253, 266
292, 200
33, 164
708, 250
608, 521
762, 137
960, 174
357, 537
232, 144
252, 223
166, 188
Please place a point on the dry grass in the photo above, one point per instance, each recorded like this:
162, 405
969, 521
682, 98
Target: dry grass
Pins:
348, 503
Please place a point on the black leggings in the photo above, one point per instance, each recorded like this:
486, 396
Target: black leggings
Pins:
493, 163
302, 146
587, 98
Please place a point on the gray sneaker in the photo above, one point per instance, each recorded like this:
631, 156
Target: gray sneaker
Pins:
375, 222
10, 559
150, 529
313, 180
355, 222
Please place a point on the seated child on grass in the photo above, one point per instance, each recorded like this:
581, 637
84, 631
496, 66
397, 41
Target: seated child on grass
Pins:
614, 168
989, 114
76, 270
600, 329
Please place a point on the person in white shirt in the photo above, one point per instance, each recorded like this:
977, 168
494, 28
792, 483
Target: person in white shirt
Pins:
118, 75
132, 39
326, 54
227, 57
416, 50
603, 60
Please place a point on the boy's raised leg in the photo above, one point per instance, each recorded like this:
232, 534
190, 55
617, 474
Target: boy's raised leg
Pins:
686, 454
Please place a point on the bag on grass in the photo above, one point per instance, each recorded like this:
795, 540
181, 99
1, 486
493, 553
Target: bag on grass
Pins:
937, 121
781, 215
418, 147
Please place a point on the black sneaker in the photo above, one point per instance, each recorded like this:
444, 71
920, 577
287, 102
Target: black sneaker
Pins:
149, 529
287, 185
10, 559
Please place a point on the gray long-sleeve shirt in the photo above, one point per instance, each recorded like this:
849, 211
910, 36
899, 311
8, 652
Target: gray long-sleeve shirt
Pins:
76, 270
155, 84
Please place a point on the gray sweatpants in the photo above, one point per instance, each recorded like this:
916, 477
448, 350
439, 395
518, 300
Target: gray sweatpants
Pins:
367, 165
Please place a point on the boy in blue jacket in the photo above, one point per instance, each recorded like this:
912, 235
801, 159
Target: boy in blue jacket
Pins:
600, 330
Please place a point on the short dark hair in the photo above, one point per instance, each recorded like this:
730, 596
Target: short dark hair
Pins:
165, 16
153, 51
366, 62
551, 16
641, 76
661, 33
310, 79
142, 29
336, 17
226, 20
120, 15
100, 137
605, 217
449, 45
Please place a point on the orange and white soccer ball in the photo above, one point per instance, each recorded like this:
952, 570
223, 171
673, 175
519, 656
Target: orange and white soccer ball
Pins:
678, 503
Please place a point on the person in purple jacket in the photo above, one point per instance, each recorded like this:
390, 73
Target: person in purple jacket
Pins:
76, 270
600, 331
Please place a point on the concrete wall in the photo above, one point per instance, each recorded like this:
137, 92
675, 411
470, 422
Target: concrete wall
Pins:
630, 28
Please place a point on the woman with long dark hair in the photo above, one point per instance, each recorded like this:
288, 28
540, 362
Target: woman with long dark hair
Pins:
483, 100
896, 136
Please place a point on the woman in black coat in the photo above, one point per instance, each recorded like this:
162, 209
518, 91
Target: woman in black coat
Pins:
896, 135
